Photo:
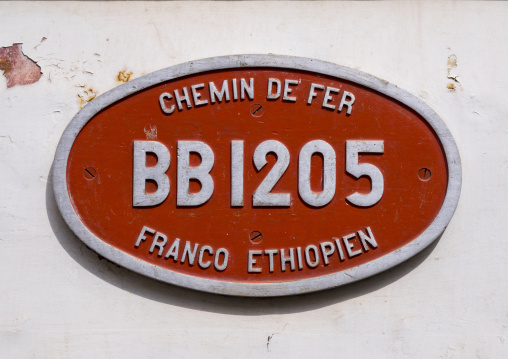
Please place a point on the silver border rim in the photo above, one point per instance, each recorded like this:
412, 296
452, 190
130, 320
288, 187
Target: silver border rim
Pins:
258, 289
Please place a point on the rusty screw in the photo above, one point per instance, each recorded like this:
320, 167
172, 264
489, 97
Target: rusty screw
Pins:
424, 174
89, 173
256, 237
257, 110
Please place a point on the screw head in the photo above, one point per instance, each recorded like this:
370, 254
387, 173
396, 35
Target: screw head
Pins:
257, 110
256, 237
89, 173
424, 174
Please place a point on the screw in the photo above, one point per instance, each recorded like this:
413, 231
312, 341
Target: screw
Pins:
256, 237
89, 173
257, 110
424, 174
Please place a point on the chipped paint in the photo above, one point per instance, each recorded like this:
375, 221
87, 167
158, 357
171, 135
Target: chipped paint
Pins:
452, 61
18, 68
123, 76
451, 73
151, 132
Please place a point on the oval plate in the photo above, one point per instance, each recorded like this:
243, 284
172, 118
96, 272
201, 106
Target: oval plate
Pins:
367, 175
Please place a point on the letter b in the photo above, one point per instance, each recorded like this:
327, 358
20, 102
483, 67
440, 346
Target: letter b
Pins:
200, 173
157, 173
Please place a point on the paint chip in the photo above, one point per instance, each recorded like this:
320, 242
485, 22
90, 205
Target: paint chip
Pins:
18, 68
451, 72
151, 133
452, 61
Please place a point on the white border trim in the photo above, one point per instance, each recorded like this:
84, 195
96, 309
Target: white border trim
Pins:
257, 289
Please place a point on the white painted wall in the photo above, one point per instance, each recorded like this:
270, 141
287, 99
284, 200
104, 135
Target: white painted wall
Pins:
59, 300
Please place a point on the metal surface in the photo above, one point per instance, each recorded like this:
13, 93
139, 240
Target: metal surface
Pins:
290, 257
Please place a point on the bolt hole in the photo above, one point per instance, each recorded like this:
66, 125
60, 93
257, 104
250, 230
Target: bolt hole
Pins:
424, 174
256, 237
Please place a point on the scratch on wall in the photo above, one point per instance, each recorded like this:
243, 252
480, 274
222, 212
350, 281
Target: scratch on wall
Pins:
270, 337
39, 44
268, 342
18, 68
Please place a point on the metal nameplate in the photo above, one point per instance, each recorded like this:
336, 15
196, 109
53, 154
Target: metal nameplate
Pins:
257, 175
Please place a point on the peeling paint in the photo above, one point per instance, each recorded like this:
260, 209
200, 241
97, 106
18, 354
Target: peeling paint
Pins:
18, 68
123, 76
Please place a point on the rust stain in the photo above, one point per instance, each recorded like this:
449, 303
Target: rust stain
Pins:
451, 87
123, 76
87, 95
5, 65
18, 68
